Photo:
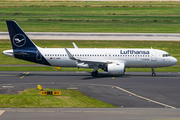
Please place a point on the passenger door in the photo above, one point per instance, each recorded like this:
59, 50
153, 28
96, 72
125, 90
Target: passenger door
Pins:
153, 55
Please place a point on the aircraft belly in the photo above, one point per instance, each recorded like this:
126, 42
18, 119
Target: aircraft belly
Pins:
62, 63
71, 63
147, 64
139, 64
133, 63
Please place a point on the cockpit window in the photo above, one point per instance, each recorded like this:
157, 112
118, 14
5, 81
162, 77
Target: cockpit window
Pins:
166, 55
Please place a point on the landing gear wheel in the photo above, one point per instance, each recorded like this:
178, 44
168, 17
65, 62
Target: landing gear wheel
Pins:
153, 74
94, 74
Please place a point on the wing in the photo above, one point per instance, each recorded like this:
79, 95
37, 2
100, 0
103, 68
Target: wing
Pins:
92, 62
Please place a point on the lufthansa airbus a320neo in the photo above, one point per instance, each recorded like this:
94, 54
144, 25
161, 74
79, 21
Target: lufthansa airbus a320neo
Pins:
114, 61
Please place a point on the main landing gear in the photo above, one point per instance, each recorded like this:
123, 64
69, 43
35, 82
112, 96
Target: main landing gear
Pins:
94, 73
153, 73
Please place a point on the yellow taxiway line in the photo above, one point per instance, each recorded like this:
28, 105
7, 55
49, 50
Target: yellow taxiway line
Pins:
25, 75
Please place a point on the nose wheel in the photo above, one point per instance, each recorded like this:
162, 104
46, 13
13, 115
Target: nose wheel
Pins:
94, 73
153, 73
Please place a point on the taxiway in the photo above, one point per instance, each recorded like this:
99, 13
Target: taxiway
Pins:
98, 36
134, 93
135, 89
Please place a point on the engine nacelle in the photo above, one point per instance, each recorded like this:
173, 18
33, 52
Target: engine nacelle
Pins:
116, 68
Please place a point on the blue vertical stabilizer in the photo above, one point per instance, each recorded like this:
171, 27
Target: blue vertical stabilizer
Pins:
23, 47
18, 38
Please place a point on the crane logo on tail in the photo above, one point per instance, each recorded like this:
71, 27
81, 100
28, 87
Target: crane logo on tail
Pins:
19, 40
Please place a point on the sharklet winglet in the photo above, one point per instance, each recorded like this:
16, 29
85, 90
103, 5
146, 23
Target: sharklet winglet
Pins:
75, 46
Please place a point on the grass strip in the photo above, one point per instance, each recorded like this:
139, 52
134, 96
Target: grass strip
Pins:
106, 4
74, 16
31, 98
106, 27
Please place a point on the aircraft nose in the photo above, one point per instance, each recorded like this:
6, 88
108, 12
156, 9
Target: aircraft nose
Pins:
174, 61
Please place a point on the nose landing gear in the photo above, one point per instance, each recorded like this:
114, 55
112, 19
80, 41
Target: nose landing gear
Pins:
153, 72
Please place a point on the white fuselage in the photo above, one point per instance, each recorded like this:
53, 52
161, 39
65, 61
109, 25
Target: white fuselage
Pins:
133, 58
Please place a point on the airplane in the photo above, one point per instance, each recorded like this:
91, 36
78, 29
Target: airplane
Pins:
113, 61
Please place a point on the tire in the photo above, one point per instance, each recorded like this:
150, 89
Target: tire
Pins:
94, 74
153, 74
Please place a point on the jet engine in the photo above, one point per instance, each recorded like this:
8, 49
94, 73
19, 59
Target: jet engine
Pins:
116, 68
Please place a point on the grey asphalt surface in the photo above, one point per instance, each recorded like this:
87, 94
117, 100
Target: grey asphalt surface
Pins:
144, 89
90, 114
164, 88
98, 36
